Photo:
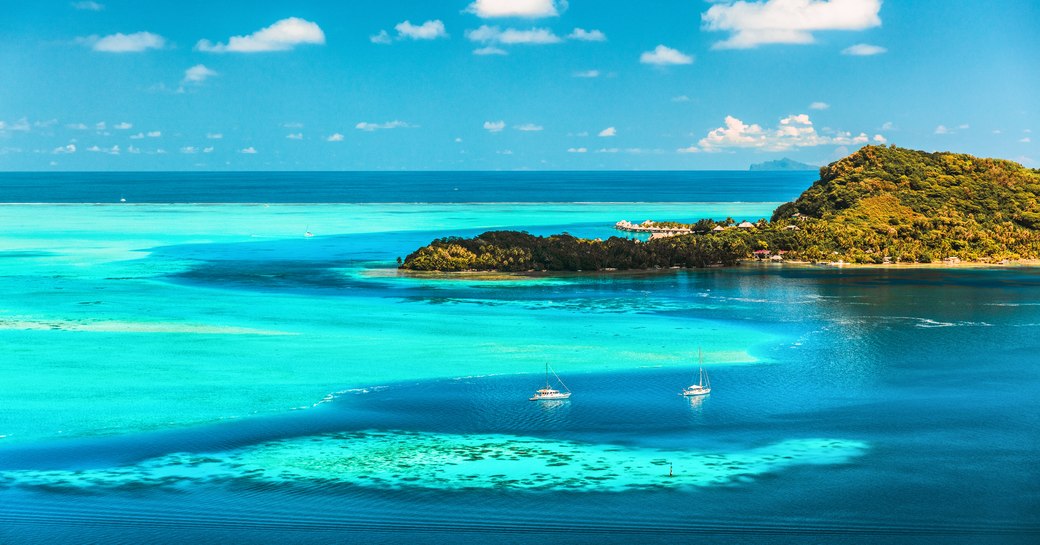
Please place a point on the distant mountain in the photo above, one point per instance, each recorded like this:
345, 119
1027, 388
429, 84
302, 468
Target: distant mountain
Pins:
782, 164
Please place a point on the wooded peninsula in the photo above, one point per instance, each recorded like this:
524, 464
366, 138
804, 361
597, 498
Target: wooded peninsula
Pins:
882, 204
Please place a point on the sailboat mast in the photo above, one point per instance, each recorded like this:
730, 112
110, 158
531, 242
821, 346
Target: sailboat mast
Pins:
546, 375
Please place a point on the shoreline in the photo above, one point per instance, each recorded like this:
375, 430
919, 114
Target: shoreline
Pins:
504, 275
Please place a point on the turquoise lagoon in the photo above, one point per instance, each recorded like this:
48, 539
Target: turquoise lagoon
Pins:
179, 371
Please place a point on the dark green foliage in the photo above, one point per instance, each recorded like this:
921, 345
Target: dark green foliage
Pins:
880, 204
516, 251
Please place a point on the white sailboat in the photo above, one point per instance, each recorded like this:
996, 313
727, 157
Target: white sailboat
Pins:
703, 386
549, 393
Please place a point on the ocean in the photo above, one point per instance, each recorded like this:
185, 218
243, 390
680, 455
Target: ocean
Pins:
188, 366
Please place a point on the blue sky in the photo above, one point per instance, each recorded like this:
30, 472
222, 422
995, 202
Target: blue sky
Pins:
510, 84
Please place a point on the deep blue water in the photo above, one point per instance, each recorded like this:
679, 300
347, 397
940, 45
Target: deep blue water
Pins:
417, 187
935, 371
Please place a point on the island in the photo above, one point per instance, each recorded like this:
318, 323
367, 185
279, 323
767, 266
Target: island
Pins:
879, 205
782, 164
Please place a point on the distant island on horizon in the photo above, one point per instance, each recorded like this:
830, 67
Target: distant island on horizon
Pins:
785, 164
879, 205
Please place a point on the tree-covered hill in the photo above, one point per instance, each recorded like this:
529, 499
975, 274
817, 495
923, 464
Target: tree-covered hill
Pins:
879, 205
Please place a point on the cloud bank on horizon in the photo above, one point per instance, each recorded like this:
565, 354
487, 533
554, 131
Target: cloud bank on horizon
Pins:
512, 84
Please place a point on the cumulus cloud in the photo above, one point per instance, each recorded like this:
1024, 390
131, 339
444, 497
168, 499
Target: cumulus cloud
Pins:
382, 38
793, 131
334, 137
88, 6
70, 148
863, 50
208, 149
681, 98
880, 139
819, 106
214, 135
154, 134
365, 126
487, 9
528, 127
124, 43
137, 136
248, 151
114, 150
663, 55
123, 126
281, 36
295, 136
510, 36
587, 74
490, 50
577, 150
22, 125
494, 126
751, 24
430, 30
1026, 140
198, 74
189, 150
607, 132
583, 35
75, 126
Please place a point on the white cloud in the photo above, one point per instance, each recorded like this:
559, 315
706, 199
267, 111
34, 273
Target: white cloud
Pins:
609, 131
248, 151
880, 139
382, 38
942, 129
334, 137
154, 134
198, 74
751, 24
137, 136
494, 126
577, 150
681, 98
486, 9
45, 124
888, 126
214, 135
281, 36
292, 125
663, 55
123, 126
124, 43
528, 127
189, 150
208, 149
430, 30
70, 148
504, 152
365, 126
100, 125
587, 74
489, 50
510, 36
76, 126
793, 131
819, 106
583, 35
114, 150
22, 125
1026, 140
133, 149
863, 50
964, 126
88, 6
608, 150
295, 136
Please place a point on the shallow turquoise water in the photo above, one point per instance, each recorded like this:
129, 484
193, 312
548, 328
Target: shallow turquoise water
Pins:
197, 372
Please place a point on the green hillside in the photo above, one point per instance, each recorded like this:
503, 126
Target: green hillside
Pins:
879, 205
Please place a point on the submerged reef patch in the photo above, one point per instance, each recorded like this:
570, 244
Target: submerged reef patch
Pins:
396, 460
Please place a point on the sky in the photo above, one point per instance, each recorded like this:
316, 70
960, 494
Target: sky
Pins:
510, 84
